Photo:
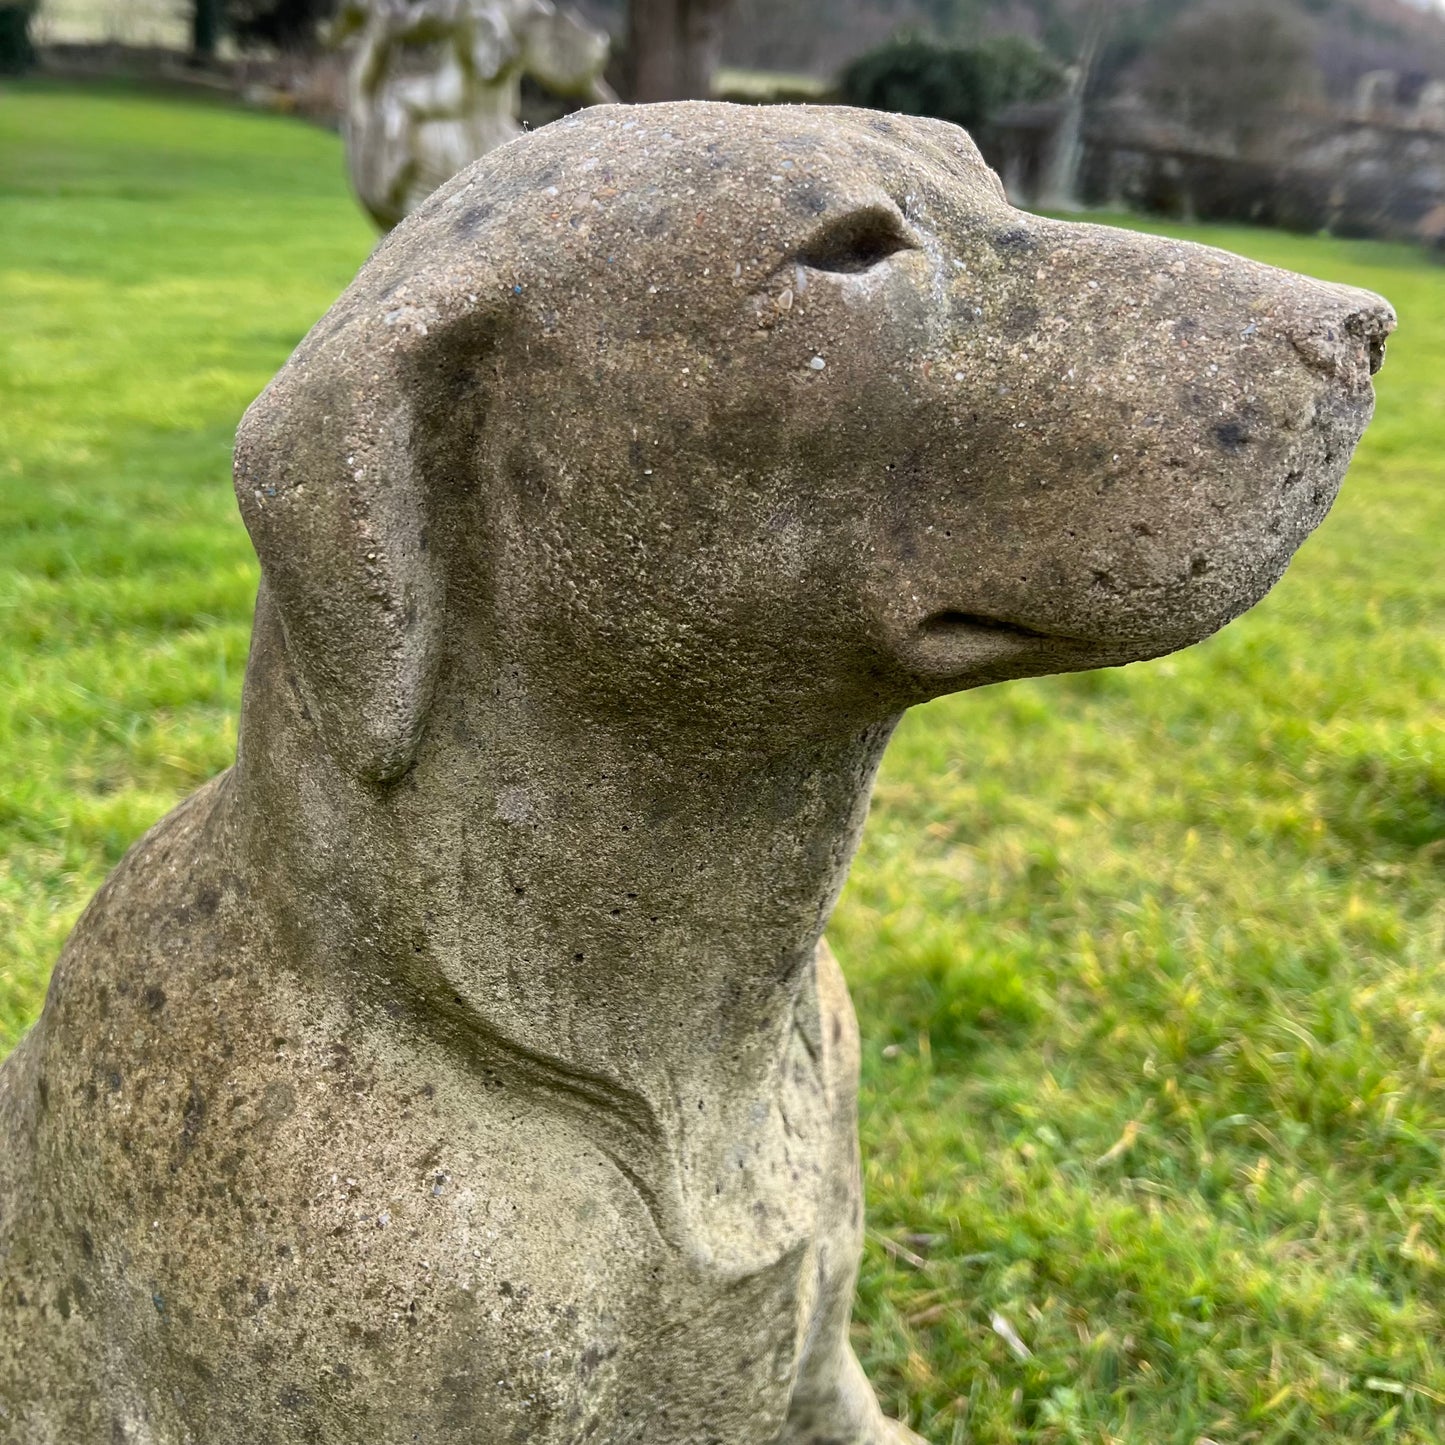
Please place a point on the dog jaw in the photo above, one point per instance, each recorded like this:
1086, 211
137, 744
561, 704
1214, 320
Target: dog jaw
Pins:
1175, 423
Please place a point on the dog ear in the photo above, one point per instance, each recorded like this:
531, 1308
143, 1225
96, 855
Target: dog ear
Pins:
328, 474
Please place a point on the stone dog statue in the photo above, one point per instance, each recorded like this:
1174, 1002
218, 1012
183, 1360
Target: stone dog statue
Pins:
434, 84
465, 1064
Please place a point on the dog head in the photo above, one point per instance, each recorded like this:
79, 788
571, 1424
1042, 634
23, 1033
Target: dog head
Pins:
711, 414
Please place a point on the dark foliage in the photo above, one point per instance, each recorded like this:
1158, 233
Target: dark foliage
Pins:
17, 54
285, 24
1212, 188
963, 84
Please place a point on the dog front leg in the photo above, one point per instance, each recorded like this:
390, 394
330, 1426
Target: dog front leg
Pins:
832, 1401
834, 1404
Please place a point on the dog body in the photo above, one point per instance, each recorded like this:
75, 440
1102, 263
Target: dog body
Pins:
465, 1064
506, 1282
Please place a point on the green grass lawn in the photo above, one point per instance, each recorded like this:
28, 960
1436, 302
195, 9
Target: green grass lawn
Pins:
1149, 963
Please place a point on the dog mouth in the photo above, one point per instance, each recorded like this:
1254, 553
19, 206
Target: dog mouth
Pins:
955, 644
951, 622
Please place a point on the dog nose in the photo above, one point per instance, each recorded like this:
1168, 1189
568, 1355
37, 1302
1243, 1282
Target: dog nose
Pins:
1343, 345
1372, 325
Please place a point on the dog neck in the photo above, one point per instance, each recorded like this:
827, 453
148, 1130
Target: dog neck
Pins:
618, 916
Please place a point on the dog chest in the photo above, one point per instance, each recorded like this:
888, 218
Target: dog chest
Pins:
415, 1260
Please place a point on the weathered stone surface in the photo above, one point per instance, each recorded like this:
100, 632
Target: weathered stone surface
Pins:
465, 1064
435, 84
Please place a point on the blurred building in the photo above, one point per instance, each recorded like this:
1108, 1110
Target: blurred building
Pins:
163, 24
1375, 168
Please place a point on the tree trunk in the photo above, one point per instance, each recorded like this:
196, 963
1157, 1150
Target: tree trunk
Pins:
1060, 188
17, 54
675, 47
206, 29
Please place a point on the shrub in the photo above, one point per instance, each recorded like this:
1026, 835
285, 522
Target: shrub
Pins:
285, 24
967, 85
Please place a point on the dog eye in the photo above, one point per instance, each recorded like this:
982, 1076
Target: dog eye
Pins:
856, 242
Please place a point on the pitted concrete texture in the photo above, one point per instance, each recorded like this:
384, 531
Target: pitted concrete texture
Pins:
465, 1065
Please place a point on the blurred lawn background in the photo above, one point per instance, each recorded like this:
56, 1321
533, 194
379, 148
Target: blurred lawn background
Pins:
1149, 963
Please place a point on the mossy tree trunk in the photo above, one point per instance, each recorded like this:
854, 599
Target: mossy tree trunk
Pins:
17, 54
206, 20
